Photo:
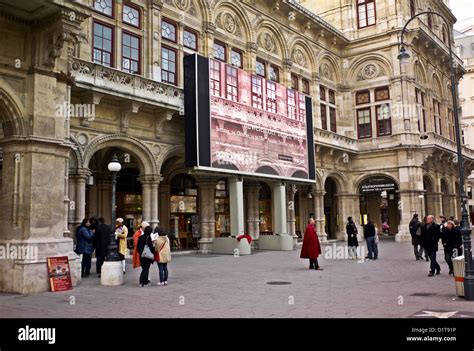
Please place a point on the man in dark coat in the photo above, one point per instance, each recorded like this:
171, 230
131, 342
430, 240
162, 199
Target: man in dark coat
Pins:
102, 234
415, 231
369, 235
430, 235
450, 239
311, 248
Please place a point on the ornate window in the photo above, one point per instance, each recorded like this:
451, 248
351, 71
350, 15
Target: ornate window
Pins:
257, 92
130, 53
437, 117
294, 82
421, 110
215, 73
305, 86
103, 44
190, 39
328, 108
384, 118
271, 97
364, 123
291, 103
131, 15
260, 68
168, 30
274, 74
105, 7
232, 89
219, 51
236, 58
168, 65
366, 14
301, 107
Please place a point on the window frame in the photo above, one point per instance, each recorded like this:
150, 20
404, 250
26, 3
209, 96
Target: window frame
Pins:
277, 70
104, 14
295, 78
365, 3
294, 105
217, 42
239, 52
211, 77
329, 106
139, 63
136, 7
257, 98
305, 82
368, 108
164, 46
379, 133
227, 85
258, 60
271, 101
112, 47
176, 29
196, 33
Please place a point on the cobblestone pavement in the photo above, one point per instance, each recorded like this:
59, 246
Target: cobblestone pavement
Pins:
227, 286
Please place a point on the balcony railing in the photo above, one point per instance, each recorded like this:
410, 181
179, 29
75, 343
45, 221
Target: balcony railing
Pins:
115, 82
331, 139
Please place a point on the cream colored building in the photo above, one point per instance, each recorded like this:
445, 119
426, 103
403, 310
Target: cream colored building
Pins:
118, 66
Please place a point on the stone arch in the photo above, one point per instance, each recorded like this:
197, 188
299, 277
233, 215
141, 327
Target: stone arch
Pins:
11, 121
333, 74
265, 26
143, 154
428, 183
266, 170
240, 15
174, 151
436, 84
420, 72
75, 154
306, 54
381, 63
340, 181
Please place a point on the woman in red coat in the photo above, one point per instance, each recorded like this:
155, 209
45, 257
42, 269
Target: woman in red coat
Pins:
311, 248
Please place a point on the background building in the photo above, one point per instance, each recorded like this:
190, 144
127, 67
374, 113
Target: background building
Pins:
118, 67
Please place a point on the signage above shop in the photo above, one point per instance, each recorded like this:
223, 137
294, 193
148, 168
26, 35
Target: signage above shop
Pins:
378, 185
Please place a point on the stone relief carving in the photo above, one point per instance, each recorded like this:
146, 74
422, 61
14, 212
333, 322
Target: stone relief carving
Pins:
370, 71
299, 58
182, 4
267, 42
326, 71
228, 22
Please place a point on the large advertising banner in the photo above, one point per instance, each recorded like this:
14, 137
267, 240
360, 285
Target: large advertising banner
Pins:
242, 123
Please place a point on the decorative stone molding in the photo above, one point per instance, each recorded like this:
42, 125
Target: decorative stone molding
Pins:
326, 71
299, 58
129, 108
267, 42
370, 71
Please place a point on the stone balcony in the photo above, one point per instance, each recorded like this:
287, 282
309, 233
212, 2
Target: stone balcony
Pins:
110, 81
333, 140
436, 140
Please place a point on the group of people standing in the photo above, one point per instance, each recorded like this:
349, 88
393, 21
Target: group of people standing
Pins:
370, 235
425, 238
94, 235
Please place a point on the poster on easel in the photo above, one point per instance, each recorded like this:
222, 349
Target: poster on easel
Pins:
59, 273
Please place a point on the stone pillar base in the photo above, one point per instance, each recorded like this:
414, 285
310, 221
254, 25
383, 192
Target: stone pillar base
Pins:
111, 273
24, 269
402, 237
205, 246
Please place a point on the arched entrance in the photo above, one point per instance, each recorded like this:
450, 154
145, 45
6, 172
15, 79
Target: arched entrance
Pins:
129, 197
330, 208
379, 202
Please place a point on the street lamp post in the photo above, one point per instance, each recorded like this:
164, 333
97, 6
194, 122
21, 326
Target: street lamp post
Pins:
465, 224
114, 167
112, 272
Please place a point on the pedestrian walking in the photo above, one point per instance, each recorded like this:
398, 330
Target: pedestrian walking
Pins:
102, 239
163, 255
84, 246
146, 251
121, 233
430, 235
352, 241
415, 232
369, 235
450, 240
311, 248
